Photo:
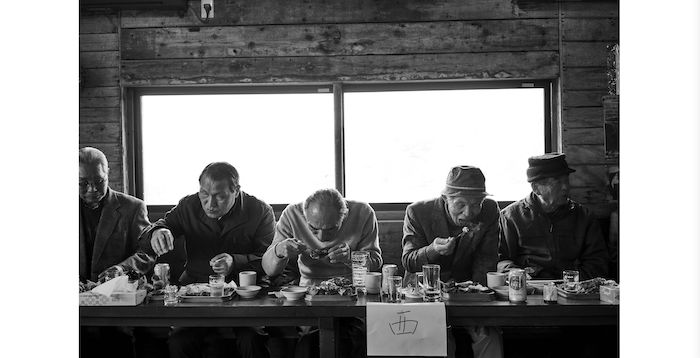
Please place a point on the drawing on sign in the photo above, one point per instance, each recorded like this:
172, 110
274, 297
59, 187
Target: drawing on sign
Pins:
403, 325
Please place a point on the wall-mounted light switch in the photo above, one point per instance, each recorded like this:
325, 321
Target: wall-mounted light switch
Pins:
207, 9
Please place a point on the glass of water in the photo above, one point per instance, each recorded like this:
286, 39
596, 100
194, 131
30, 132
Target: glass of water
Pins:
216, 285
395, 284
170, 295
360, 266
431, 283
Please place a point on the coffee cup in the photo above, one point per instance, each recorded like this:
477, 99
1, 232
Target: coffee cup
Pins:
247, 278
494, 279
373, 282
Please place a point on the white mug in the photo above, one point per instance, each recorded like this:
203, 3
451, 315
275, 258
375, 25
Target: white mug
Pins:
247, 278
494, 279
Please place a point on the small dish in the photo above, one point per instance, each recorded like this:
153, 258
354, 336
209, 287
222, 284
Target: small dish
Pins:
248, 291
293, 293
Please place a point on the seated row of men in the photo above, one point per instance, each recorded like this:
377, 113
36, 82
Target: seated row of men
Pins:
226, 231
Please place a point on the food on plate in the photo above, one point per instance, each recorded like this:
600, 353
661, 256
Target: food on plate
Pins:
336, 286
465, 287
87, 286
591, 286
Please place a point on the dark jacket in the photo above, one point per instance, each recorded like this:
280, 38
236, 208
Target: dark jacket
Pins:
244, 232
116, 238
571, 241
472, 258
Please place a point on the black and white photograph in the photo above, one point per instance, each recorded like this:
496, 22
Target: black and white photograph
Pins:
354, 178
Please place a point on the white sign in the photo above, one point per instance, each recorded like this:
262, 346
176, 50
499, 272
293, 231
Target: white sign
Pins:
406, 329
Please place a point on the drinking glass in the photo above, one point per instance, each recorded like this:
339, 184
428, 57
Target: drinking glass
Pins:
170, 295
216, 285
395, 283
431, 283
360, 266
570, 279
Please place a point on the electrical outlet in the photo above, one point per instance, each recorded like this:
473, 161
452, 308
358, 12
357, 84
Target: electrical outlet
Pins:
204, 9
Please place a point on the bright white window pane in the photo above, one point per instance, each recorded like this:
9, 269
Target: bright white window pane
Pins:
400, 145
281, 144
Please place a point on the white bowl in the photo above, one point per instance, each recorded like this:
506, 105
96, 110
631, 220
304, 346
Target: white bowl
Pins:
248, 291
293, 293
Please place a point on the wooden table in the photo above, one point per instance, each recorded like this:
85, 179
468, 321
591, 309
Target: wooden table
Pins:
269, 311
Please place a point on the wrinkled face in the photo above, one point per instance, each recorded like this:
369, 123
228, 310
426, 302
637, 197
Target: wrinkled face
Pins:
324, 221
552, 192
93, 181
464, 209
216, 197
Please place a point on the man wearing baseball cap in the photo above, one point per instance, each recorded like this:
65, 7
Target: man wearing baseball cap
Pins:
459, 231
546, 232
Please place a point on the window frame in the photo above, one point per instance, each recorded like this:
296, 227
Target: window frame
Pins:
133, 141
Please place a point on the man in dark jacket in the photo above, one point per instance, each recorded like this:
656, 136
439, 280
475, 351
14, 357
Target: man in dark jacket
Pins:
546, 232
109, 226
226, 231
458, 231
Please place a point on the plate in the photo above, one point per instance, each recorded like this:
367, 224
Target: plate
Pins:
469, 297
578, 296
502, 291
228, 295
539, 284
329, 298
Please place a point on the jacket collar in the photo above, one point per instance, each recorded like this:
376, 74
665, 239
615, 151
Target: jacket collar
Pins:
532, 203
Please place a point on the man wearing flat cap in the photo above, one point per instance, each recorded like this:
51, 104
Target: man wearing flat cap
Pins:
546, 232
459, 231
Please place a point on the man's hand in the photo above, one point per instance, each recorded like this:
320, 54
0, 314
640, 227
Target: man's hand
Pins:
221, 264
110, 273
339, 253
444, 246
289, 248
162, 241
532, 271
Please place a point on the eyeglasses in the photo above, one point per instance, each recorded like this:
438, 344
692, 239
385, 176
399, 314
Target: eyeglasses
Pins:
95, 184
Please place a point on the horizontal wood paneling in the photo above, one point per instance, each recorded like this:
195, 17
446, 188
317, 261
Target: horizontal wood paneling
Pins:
102, 77
585, 54
343, 68
585, 78
583, 98
88, 115
98, 24
113, 151
583, 117
100, 132
583, 136
99, 102
585, 154
100, 92
262, 12
100, 59
590, 29
589, 176
98, 42
590, 9
340, 39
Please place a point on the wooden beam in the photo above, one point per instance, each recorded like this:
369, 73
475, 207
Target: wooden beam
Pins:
99, 59
503, 65
266, 12
98, 23
585, 54
583, 136
104, 115
583, 98
102, 77
100, 132
585, 78
586, 9
590, 30
583, 117
99, 102
98, 42
340, 39
100, 92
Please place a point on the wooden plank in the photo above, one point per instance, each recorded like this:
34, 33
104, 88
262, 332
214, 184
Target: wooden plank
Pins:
343, 68
102, 77
100, 132
340, 39
98, 23
589, 175
584, 98
99, 102
98, 42
265, 12
583, 117
572, 136
115, 171
104, 115
590, 30
100, 92
113, 151
585, 78
585, 54
99, 59
585, 154
587, 9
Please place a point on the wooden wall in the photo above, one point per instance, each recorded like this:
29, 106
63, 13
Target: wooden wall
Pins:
268, 41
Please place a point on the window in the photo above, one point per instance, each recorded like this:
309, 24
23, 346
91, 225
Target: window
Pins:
379, 143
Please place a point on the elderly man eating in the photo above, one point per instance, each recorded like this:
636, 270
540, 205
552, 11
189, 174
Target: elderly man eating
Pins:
546, 232
226, 231
459, 231
317, 236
